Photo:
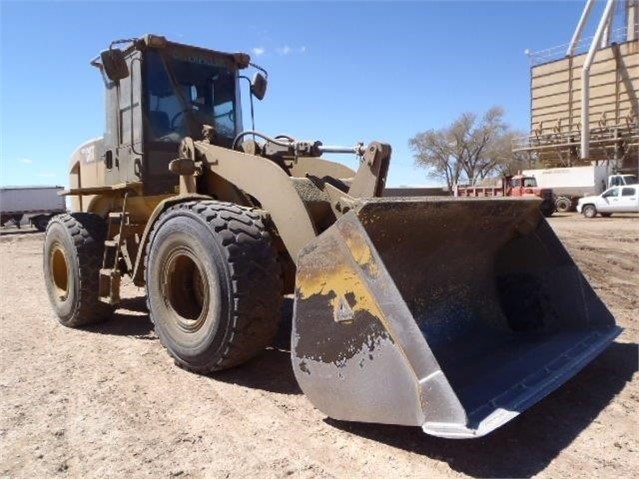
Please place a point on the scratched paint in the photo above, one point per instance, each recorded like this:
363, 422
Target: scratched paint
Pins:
337, 316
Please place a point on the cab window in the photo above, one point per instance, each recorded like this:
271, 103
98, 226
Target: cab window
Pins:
628, 192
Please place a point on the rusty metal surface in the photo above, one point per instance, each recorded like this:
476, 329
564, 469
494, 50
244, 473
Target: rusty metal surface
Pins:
455, 315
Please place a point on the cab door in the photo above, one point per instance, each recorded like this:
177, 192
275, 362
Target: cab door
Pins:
123, 137
629, 199
609, 201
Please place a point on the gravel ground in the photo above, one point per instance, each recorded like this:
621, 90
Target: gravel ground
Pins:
108, 402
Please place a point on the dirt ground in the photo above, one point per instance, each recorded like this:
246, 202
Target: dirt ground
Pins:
108, 402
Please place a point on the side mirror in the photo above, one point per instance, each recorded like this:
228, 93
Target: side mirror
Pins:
258, 85
114, 64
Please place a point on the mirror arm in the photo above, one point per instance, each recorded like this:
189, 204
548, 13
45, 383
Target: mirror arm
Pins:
260, 69
251, 100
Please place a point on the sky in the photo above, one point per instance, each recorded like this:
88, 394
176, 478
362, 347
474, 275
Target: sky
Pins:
339, 72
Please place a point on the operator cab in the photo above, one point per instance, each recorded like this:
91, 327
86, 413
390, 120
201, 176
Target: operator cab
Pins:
159, 92
184, 93
523, 181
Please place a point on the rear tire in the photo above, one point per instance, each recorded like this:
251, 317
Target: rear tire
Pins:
589, 211
73, 249
547, 210
41, 222
563, 204
214, 287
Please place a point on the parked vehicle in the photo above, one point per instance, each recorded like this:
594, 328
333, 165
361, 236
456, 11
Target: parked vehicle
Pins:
450, 315
618, 199
514, 186
37, 203
570, 184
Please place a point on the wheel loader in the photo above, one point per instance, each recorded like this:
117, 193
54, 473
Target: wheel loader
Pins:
451, 314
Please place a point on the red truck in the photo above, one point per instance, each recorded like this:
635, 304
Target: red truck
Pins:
513, 185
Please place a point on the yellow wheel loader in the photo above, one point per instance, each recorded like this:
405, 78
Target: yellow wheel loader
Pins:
450, 314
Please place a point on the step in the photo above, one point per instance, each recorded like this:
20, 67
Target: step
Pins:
109, 286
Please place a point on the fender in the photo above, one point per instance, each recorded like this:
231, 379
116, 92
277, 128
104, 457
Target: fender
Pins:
138, 269
270, 185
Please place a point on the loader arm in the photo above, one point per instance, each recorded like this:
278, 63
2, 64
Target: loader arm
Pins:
269, 184
285, 192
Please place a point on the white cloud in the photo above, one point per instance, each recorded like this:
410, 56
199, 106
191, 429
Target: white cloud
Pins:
259, 51
288, 50
26, 161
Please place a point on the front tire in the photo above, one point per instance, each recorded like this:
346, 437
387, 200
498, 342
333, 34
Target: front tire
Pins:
589, 211
73, 250
214, 287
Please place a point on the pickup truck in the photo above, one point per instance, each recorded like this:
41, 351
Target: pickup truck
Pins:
618, 199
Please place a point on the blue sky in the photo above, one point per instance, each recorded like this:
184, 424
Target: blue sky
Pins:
338, 72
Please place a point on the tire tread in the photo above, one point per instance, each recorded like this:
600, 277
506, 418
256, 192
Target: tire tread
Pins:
87, 232
255, 279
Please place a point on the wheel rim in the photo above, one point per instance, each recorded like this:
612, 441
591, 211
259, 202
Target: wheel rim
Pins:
563, 206
185, 289
60, 271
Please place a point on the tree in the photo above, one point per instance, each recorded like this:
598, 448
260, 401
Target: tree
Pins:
467, 150
510, 162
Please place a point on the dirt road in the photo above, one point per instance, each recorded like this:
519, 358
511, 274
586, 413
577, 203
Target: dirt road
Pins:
108, 402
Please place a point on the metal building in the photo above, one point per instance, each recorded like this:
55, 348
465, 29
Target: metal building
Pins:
583, 96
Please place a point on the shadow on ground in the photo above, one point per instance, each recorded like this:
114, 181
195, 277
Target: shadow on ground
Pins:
523, 447
270, 371
20, 233
526, 445
130, 319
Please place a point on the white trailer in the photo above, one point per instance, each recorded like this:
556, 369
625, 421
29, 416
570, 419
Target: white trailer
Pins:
35, 203
570, 184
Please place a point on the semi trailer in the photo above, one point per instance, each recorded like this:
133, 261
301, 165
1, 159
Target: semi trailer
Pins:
36, 204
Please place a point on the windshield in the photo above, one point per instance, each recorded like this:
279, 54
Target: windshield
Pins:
184, 93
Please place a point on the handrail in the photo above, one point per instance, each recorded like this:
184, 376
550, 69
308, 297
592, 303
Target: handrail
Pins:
548, 55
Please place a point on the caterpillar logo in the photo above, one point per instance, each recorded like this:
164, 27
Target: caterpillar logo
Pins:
89, 153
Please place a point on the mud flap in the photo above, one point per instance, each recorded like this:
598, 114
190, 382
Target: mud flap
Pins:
453, 315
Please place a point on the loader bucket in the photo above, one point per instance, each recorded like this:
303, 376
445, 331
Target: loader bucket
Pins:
451, 314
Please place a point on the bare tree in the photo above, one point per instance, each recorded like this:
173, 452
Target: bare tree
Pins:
467, 150
513, 161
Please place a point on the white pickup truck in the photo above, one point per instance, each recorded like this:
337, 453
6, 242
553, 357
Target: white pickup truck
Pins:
618, 199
